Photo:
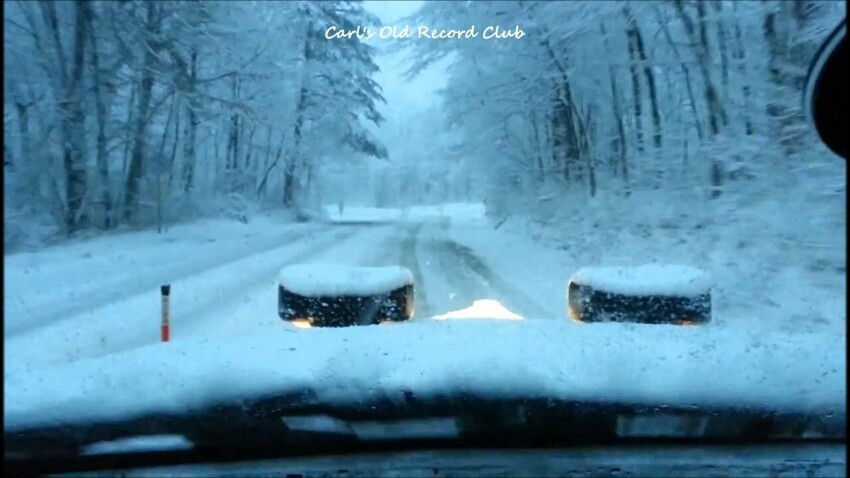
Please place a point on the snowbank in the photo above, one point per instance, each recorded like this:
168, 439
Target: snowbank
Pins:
453, 212
648, 279
317, 280
765, 285
362, 214
56, 283
456, 212
658, 364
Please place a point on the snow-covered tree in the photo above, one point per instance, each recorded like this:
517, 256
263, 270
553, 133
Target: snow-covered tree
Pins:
618, 96
336, 93
139, 112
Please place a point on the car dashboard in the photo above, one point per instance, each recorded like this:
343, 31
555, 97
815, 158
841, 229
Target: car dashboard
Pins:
681, 461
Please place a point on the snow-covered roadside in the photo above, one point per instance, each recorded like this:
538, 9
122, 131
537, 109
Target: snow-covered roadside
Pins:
61, 281
747, 292
659, 364
197, 302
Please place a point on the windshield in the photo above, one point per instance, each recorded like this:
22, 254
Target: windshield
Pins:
618, 201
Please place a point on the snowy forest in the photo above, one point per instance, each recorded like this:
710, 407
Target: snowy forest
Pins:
125, 112
137, 113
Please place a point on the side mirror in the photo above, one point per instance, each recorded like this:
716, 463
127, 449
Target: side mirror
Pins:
825, 96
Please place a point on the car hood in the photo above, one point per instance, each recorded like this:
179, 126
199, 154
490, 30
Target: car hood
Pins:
556, 359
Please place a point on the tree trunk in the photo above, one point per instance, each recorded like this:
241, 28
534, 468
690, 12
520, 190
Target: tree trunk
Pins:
636, 93
100, 112
699, 42
25, 151
640, 49
566, 136
739, 58
8, 158
538, 153
294, 160
267, 158
712, 97
620, 160
261, 189
784, 116
585, 127
560, 138
128, 135
73, 120
134, 177
687, 74
232, 161
160, 162
722, 44
249, 147
717, 114
191, 131
172, 158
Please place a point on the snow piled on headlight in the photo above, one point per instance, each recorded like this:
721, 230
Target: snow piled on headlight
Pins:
654, 365
648, 279
324, 280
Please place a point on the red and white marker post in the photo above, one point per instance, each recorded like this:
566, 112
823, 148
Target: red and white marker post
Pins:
165, 290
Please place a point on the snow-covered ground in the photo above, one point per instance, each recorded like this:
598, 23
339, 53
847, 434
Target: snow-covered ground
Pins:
61, 281
760, 288
228, 298
464, 213
82, 323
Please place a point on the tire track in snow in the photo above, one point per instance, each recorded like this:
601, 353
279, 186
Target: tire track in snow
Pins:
468, 278
408, 258
513, 298
266, 279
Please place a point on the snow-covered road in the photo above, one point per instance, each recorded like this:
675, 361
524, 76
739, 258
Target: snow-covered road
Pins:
453, 276
82, 322
98, 297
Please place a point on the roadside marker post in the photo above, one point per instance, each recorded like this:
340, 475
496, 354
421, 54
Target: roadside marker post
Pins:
165, 290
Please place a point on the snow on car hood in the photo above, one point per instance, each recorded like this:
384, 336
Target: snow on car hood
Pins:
653, 364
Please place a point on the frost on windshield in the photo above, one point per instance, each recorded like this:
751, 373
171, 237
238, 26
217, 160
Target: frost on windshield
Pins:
519, 144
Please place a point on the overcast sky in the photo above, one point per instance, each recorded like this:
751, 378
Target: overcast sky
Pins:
403, 97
